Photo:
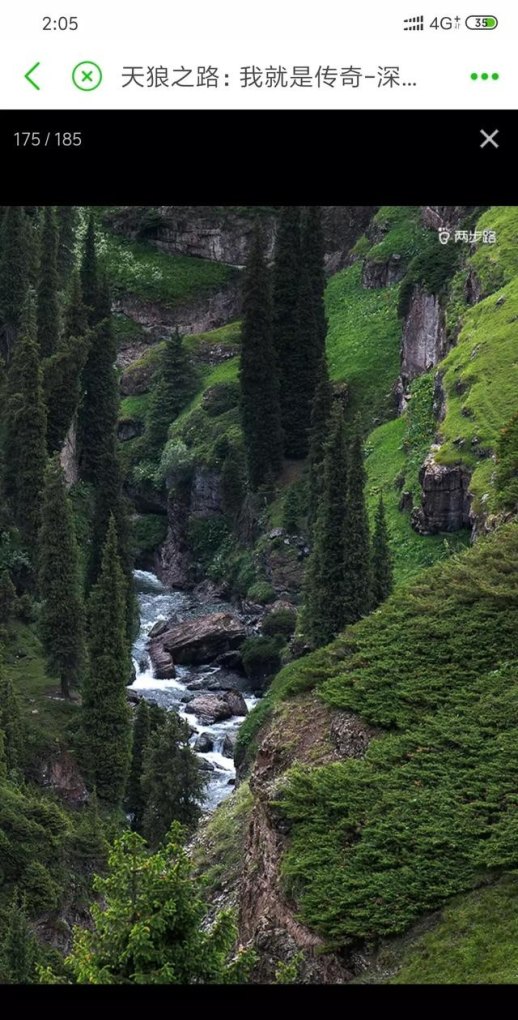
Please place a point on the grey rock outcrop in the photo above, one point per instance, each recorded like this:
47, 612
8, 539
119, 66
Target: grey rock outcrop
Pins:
383, 274
129, 429
201, 499
445, 498
423, 343
224, 234
201, 314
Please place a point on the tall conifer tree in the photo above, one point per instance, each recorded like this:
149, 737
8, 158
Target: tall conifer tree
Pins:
48, 316
172, 390
10, 724
135, 801
357, 561
62, 615
14, 274
320, 414
106, 726
324, 610
89, 273
18, 948
260, 408
67, 222
172, 781
26, 449
286, 284
313, 257
382, 574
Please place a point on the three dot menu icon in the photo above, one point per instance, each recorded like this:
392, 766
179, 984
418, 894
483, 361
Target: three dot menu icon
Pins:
414, 24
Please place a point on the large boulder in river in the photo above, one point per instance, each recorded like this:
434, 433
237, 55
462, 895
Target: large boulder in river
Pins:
204, 743
212, 708
163, 662
202, 638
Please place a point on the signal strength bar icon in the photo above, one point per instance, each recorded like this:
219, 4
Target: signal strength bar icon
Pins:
414, 24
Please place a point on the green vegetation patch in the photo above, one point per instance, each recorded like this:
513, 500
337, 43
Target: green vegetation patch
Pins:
474, 942
139, 269
392, 464
376, 842
229, 336
480, 378
363, 343
403, 232
218, 851
148, 533
496, 264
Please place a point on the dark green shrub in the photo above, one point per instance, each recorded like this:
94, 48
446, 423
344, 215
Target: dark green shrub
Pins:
261, 592
280, 623
261, 657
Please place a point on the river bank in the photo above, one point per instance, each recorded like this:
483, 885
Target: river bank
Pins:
158, 604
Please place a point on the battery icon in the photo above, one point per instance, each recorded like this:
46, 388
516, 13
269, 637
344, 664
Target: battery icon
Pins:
478, 22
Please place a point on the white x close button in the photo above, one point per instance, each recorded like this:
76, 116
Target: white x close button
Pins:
489, 139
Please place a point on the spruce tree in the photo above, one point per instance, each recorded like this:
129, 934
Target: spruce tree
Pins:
62, 373
99, 406
356, 530
11, 724
150, 924
233, 480
320, 414
48, 317
286, 314
324, 609
297, 399
381, 567
291, 510
62, 388
110, 501
90, 274
25, 450
18, 948
135, 802
172, 781
172, 389
14, 274
62, 613
75, 318
313, 258
105, 713
67, 221
7, 597
98, 455
260, 408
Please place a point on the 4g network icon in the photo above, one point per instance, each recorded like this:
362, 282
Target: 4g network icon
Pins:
475, 22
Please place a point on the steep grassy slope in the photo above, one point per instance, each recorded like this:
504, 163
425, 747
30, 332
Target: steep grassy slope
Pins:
430, 811
364, 329
481, 372
473, 943
363, 342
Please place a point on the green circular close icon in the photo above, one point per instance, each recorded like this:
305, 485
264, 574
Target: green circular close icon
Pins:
87, 76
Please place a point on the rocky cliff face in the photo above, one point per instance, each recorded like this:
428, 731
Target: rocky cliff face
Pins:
423, 343
207, 312
307, 730
223, 234
445, 498
201, 499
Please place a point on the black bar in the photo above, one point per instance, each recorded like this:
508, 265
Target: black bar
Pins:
261, 157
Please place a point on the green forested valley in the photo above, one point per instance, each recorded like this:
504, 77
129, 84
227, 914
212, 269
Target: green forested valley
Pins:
258, 595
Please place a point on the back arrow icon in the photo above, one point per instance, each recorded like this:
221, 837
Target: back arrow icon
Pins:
28, 76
